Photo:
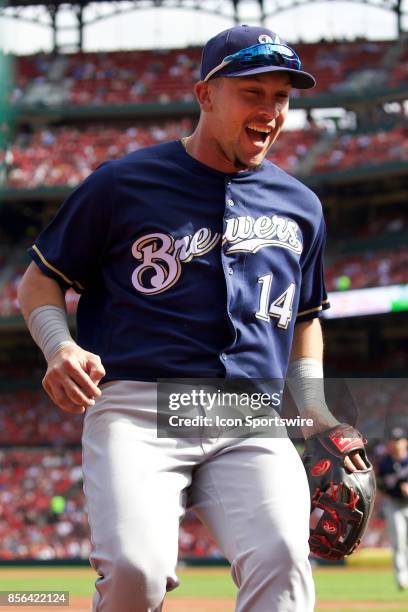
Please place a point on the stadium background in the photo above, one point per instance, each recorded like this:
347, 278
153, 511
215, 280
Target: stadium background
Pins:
63, 113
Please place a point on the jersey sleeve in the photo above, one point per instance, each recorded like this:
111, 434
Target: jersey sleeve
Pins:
313, 294
71, 247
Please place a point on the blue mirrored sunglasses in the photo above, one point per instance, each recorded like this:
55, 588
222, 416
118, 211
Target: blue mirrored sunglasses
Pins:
265, 54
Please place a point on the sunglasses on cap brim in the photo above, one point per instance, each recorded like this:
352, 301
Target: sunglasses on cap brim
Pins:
265, 54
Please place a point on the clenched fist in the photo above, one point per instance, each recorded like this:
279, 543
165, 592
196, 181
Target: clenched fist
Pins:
72, 378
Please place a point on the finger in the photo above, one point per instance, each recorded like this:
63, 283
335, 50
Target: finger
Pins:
82, 380
75, 394
60, 398
349, 465
354, 462
72, 409
48, 389
95, 369
359, 462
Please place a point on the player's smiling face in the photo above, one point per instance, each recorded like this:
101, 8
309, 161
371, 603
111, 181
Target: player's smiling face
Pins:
242, 118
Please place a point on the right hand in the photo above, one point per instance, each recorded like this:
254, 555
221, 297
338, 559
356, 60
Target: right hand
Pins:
72, 378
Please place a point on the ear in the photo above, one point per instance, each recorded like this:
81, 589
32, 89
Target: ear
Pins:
203, 92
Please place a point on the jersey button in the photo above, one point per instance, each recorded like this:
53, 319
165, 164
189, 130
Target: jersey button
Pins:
231, 202
230, 271
224, 356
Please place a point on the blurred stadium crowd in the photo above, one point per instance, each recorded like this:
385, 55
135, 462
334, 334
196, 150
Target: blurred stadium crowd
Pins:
124, 77
66, 155
42, 509
42, 514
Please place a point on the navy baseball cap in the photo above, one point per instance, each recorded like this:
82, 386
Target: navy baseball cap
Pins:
244, 50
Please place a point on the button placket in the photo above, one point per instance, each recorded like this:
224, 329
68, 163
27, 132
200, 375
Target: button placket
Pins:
228, 272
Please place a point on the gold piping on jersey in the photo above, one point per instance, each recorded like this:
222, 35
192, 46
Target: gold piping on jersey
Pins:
315, 309
51, 267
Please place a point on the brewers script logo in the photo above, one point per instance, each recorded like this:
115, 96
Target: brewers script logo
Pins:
161, 256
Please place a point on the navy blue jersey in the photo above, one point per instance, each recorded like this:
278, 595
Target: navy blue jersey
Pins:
185, 271
391, 474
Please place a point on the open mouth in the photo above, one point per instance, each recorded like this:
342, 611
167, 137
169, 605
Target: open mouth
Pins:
258, 134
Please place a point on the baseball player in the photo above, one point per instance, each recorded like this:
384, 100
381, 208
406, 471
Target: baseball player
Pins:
393, 480
194, 259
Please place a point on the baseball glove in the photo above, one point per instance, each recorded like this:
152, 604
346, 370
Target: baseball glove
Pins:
341, 501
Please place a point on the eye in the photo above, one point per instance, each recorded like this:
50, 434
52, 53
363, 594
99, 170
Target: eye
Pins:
251, 91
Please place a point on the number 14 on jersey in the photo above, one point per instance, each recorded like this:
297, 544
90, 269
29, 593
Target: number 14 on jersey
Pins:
280, 308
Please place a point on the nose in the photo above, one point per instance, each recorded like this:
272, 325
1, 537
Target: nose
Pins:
270, 111
267, 119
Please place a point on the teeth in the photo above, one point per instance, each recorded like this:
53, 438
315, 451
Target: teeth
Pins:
257, 128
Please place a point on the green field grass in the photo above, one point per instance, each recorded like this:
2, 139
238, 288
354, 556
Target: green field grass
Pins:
78, 581
333, 584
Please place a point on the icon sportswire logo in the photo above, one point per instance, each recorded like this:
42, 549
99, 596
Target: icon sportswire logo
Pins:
161, 256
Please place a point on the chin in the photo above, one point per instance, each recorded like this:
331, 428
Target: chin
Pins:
256, 161
243, 161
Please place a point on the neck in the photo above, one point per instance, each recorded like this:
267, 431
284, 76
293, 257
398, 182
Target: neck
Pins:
204, 148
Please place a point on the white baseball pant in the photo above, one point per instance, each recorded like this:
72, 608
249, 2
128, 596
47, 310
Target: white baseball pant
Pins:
252, 494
